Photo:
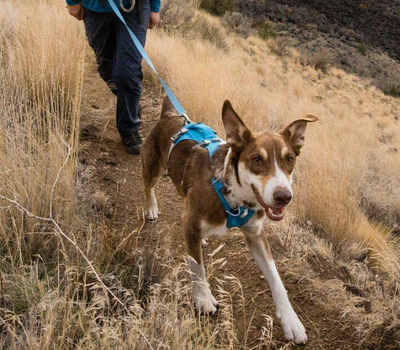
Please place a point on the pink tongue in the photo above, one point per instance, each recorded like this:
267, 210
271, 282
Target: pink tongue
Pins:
277, 211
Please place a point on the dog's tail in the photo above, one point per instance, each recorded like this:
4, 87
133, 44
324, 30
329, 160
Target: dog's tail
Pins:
167, 107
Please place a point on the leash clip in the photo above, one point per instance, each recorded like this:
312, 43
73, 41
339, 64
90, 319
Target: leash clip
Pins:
187, 120
234, 212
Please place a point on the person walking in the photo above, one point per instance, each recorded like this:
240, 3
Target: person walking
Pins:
119, 63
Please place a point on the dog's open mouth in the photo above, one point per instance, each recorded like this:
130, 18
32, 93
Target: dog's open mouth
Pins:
275, 214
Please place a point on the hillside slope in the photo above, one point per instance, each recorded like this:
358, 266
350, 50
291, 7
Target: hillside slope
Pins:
373, 22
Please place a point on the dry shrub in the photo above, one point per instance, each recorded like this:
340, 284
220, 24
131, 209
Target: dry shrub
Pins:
183, 17
210, 32
178, 13
267, 30
237, 23
219, 7
363, 49
282, 46
390, 85
319, 60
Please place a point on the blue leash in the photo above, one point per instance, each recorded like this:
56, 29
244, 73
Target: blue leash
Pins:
177, 105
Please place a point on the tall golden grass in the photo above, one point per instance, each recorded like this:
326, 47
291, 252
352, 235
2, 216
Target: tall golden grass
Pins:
41, 74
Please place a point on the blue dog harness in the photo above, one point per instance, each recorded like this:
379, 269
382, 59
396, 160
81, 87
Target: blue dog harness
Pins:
207, 138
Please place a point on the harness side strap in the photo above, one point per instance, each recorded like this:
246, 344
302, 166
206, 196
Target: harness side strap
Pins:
218, 185
175, 102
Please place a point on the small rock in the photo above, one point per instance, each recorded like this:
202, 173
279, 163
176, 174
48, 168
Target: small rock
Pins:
367, 306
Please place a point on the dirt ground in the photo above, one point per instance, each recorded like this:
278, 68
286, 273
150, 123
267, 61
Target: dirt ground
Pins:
118, 175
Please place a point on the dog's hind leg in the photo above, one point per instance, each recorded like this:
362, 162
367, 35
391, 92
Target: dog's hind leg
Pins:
152, 169
259, 248
204, 300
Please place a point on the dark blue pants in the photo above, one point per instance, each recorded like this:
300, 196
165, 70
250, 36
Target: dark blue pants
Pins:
118, 61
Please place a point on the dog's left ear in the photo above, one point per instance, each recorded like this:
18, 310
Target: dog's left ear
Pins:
294, 133
236, 131
167, 106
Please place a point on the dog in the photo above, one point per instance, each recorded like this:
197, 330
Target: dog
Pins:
256, 171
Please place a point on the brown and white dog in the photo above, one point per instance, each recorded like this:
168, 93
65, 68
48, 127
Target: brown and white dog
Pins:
256, 169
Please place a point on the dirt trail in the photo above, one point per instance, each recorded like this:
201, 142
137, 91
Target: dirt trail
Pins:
118, 175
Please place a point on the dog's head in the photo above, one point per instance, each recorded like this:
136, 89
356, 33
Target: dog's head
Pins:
263, 163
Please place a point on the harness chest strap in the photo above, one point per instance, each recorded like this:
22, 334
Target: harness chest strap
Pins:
207, 138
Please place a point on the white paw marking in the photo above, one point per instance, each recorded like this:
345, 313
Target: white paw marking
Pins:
206, 303
152, 213
152, 207
204, 242
292, 326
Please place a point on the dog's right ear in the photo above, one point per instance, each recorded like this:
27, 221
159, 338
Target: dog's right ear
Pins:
167, 106
237, 133
294, 133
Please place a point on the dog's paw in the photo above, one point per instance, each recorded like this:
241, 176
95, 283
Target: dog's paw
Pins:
152, 213
292, 326
204, 242
207, 304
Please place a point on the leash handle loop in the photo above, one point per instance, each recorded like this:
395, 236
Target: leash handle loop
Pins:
175, 102
121, 5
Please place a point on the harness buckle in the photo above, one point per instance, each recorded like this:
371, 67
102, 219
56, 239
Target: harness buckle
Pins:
178, 134
203, 143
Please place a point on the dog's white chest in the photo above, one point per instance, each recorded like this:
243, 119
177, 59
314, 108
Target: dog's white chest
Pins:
208, 230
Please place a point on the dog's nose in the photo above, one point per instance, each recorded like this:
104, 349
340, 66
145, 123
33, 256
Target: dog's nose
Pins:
282, 196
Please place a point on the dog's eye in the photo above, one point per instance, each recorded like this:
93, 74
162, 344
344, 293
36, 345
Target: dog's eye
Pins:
289, 159
257, 159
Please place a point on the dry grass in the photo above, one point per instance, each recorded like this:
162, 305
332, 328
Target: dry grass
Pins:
347, 192
39, 114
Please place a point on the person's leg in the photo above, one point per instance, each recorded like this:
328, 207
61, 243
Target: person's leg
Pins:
127, 73
100, 30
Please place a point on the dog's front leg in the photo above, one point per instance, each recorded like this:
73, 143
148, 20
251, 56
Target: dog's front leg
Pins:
259, 248
204, 300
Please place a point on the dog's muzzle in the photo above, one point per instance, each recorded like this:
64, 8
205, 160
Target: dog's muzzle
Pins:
273, 213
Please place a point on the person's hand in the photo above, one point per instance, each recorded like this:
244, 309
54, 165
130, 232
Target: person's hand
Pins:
76, 11
154, 19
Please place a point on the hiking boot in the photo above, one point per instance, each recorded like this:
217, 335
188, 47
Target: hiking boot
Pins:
132, 142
